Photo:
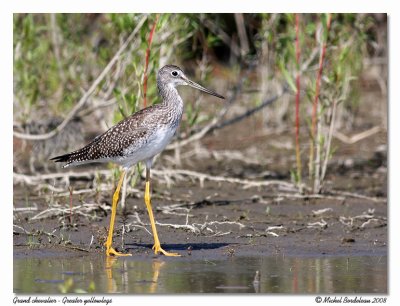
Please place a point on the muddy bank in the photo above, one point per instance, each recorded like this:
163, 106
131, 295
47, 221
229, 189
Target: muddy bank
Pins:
232, 222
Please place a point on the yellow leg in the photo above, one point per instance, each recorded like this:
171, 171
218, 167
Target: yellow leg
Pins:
109, 249
111, 284
157, 246
156, 272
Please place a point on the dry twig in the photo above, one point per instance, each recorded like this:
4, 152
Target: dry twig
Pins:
319, 224
356, 138
64, 211
202, 177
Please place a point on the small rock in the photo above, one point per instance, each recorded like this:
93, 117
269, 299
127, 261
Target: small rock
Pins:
348, 240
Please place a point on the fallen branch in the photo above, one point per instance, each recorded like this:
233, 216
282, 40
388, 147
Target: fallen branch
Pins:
359, 196
322, 211
319, 224
372, 223
206, 224
199, 228
34, 179
356, 138
202, 177
196, 228
270, 229
96, 189
247, 113
341, 196
25, 209
179, 174
367, 218
57, 210
35, 233
188, 227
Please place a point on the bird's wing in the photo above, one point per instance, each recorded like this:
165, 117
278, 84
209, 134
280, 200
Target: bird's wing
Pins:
130, 133
114, 142
108, 145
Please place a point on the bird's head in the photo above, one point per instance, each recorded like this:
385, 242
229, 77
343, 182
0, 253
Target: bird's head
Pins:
171, 75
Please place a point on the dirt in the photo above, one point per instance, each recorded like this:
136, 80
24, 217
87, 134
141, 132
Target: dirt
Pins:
293, 235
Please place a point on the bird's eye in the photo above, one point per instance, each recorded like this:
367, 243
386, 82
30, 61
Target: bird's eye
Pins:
174, 73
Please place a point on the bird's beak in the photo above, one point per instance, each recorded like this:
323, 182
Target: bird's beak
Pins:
197, 86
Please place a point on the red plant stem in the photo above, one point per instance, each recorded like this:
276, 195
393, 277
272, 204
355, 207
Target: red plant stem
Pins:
297, 119
149, 41
317, 88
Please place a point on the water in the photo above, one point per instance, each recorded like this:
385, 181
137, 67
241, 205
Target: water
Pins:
97, 274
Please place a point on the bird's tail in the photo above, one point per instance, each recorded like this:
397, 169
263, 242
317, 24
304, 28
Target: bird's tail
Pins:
67, 158
62, 158
75, 157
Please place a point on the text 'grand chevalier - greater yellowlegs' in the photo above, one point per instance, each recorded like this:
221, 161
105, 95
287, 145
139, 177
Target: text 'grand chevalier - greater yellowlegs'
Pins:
138, 138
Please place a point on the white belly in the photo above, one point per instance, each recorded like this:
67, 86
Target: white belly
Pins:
155, 145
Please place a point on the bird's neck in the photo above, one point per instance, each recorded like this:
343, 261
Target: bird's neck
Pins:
171, 98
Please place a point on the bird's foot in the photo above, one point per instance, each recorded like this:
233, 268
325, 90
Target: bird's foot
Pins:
157, 249
110, 251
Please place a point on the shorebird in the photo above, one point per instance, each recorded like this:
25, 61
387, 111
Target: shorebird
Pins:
139, 138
